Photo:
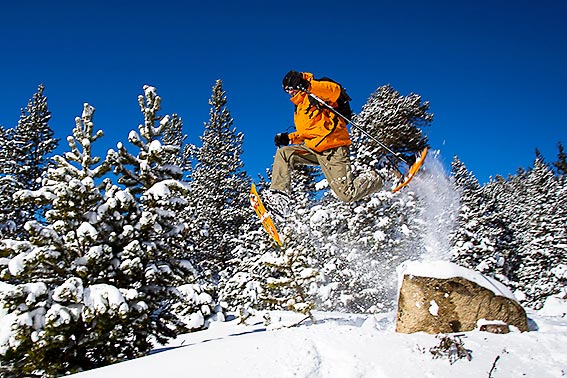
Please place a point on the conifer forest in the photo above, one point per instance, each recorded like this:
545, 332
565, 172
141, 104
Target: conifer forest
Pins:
104, 257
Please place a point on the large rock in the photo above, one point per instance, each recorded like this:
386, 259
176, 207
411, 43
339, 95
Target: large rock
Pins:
449, 302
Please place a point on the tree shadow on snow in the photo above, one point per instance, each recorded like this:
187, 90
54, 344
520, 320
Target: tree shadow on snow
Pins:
183, 345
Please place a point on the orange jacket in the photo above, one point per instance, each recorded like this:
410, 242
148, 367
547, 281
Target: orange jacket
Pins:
319, 129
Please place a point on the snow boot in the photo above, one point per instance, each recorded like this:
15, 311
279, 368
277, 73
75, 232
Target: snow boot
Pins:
389, 172
277, 203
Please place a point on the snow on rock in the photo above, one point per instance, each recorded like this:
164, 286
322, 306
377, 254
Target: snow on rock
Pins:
457, 298
445, 270
433, 308
482, 322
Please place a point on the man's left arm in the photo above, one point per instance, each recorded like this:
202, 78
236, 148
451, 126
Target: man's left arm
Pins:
325, 90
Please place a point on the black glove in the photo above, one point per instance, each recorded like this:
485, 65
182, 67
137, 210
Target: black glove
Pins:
281, 139
295, 80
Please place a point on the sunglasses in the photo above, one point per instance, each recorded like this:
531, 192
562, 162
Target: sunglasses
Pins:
290, 90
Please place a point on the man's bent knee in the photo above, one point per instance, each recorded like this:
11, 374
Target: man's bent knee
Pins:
342, 189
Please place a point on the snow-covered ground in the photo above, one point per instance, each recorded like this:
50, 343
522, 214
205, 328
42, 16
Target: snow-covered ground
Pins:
342, 345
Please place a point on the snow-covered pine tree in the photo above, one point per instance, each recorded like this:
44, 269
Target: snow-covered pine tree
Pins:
561, 163
360, 244
559, 236
543, 240
533, 204
293, 273
512, 202
469, 247
482, 239
246, 286
195, 303
34, 140
394, 120
29, 145
241, 285
181, 156
173, 136
503, 261
304, 187
10, 214
359, 247
220, 189
292, 277
68, 278
158, 241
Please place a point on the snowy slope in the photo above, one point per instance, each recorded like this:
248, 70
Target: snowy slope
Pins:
341, 345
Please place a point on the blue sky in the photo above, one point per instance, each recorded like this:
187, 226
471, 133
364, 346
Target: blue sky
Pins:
495, 72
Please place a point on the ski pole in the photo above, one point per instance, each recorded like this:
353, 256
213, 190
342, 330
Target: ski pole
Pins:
355, 125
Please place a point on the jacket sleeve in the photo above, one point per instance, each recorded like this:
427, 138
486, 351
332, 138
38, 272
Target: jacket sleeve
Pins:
325, 90
295, 138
